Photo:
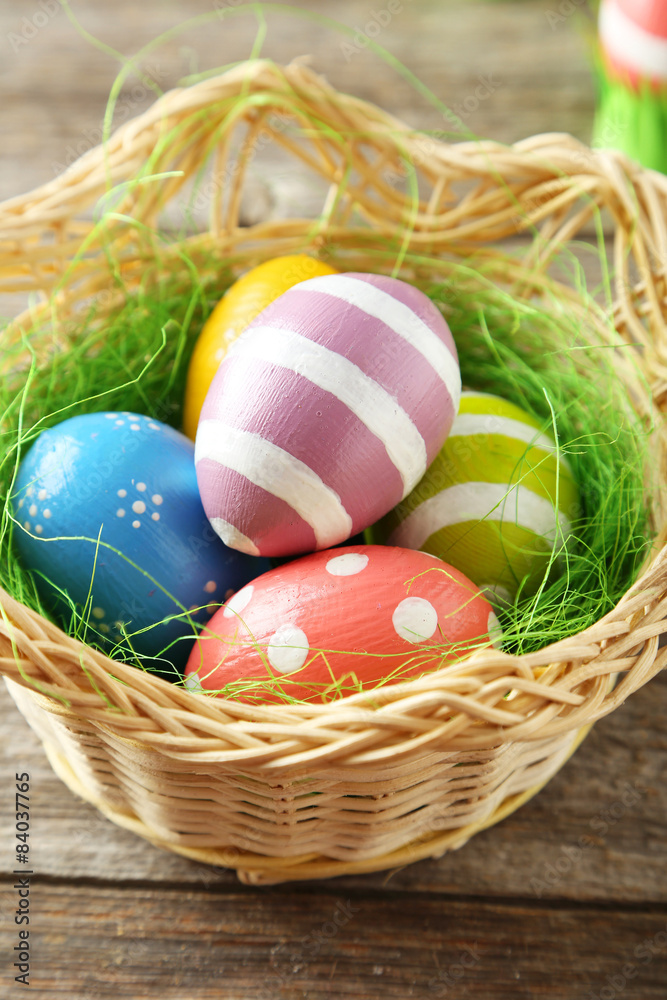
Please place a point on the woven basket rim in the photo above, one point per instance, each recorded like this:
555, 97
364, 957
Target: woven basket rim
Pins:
562, 687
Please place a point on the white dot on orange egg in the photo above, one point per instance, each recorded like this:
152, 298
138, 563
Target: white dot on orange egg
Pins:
122, 493
415, 619
157, 499
141, 487
136, 524
210, 586
41, 495
287, 649
348, 564
120, 512
193, 683
241, 599
47, 513
138, 506
155, 516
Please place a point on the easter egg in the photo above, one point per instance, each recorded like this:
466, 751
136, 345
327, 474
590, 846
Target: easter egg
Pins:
325, 414
109, 512
494, 502
633, 38
241, 303
332, 622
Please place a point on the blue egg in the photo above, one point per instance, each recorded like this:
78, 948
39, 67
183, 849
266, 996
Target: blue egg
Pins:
108, 511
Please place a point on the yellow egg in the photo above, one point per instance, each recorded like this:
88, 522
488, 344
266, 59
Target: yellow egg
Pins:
246, 298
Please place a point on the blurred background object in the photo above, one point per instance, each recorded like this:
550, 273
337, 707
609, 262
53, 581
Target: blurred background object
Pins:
632, 79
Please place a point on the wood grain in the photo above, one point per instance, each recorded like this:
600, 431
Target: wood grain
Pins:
55, 84
266, 945
565, 898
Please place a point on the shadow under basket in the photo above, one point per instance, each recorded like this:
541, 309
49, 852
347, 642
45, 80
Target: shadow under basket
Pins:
380, 779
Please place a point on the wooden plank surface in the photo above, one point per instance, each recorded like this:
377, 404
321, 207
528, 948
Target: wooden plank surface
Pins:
194, 945
567, 897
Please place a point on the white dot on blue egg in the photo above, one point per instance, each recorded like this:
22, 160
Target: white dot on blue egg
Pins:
120, 512
155, 516
32, 510
141, 487
46, 512
41, 495
138, 506
122, 493
136, 524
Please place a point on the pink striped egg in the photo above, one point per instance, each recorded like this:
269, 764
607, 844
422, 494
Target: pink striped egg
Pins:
325, 413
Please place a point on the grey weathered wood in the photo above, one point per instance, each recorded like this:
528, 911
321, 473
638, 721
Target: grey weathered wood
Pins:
200, 945
114, 916
55, 85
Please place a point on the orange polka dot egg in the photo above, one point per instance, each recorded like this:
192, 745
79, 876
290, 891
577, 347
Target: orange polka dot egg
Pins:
339, 620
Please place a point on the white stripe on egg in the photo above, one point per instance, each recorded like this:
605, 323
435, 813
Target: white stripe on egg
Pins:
401, 319
377, 409
490, 423
630, 44
273, 469
476, 502
232, 537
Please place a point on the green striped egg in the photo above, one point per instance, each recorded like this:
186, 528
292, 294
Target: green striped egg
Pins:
494, 502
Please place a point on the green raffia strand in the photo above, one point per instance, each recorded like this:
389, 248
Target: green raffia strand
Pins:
140, 364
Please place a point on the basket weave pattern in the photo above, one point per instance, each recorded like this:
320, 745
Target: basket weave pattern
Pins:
375, 780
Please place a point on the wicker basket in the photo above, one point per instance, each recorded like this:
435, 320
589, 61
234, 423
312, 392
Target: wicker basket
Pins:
301, 791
